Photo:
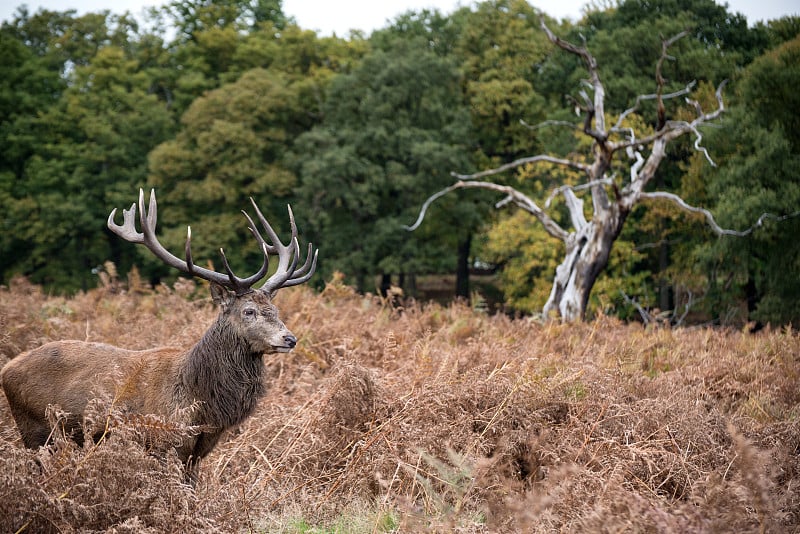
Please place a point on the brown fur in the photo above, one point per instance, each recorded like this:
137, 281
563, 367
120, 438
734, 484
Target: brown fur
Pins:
221, 376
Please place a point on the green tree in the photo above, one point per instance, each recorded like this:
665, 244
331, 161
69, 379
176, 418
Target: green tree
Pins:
235, 140
626, 41
209, 35
499, 47
71, 151
193, 17
392, 127
232, 145
759, 153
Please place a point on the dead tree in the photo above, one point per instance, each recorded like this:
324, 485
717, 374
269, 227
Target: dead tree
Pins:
589, 241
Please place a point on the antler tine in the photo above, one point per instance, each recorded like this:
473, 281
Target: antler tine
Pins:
235, 282
295, 276
287, 273
305, 272
288, 255
305, 277
150, 217
277, 246
270, 232
252, 279
266, 248
188, 250
254, 230
127, 230
292, 225
304, 268
281, 276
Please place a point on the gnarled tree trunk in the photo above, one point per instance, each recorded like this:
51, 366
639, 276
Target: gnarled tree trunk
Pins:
587, 254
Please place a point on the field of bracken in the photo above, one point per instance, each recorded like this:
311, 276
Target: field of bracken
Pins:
425, 418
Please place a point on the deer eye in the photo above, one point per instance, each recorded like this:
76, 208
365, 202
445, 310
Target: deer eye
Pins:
249, 312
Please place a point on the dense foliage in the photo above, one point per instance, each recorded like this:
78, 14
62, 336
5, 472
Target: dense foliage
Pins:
212, 102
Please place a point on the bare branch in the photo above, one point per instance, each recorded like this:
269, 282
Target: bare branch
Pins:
567, 124
636, 167
591, 63
675, 38
717, 229
674, 129
652, 96
596, 110
718, 94
575, 207
502, 203
424, 209
644, 314
512, 195
690, 301
591, 113
697, 139
523, 161
655, 244
587, 185
660, 81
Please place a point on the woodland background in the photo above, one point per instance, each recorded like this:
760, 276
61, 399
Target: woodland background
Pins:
394, 415
211, 102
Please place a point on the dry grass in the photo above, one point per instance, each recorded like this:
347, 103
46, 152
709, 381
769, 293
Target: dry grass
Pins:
430, 418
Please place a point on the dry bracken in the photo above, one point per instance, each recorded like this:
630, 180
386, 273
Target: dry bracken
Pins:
439, 418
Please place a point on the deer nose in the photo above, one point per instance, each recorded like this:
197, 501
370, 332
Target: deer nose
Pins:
290, 340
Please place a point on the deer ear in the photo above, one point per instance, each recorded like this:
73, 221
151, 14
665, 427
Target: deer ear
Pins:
222, 296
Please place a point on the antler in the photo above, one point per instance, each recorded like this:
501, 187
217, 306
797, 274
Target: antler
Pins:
285, 276
287, 273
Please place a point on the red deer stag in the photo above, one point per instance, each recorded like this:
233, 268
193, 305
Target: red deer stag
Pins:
219, 380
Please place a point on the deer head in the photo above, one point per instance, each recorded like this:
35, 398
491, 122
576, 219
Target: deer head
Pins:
249, 312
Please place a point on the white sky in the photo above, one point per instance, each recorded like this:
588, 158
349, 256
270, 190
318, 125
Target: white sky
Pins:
327, 16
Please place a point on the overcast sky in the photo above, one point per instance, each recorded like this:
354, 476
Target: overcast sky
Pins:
340, 16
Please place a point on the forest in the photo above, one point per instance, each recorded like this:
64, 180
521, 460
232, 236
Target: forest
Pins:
211, 102
652, 143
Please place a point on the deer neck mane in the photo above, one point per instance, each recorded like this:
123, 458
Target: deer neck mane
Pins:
224, 374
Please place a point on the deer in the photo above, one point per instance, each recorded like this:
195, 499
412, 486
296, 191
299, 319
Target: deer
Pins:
218, 381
